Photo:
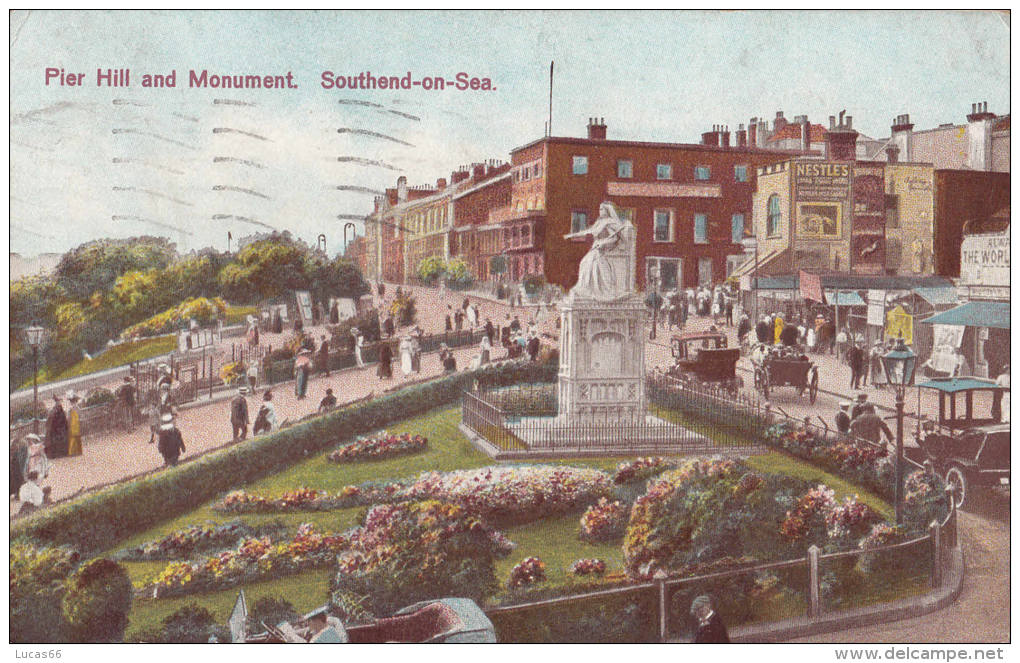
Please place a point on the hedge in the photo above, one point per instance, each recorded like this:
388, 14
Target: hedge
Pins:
99, 520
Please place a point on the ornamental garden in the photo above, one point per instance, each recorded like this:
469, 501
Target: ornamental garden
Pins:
409, 510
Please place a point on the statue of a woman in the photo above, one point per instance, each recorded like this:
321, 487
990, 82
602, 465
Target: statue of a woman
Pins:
596, 277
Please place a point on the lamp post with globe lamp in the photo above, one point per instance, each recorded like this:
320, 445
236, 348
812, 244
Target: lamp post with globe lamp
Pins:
899, 370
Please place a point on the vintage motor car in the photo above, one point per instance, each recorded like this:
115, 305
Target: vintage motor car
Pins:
970, 451
704, 360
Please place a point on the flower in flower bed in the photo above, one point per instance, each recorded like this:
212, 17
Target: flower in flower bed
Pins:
414, 551
881, 534
506, 495
850, 455
815, 502
884, 562
604, 521
584, 567
528, 572
385, 445
851, 518
307, 499
181, 544
640, 469
253, 559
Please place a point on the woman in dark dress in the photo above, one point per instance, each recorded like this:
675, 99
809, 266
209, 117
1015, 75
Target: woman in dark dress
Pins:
385, 370
56, 431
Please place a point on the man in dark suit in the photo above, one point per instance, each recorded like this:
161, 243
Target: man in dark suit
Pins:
711, 629
239, 414
855, 358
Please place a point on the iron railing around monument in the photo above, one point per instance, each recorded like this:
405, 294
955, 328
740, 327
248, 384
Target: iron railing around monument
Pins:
524, 418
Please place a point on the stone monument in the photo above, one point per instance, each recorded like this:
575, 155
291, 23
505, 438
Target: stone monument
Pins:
602, 350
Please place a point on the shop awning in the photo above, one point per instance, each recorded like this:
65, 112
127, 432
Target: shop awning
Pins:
974, 314
937, 296
763, 260
953, 385
834, 298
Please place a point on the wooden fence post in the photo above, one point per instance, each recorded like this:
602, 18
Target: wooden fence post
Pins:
815, 608
935, 531
660, 577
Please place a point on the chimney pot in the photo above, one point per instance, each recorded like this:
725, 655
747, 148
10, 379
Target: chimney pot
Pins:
832, 121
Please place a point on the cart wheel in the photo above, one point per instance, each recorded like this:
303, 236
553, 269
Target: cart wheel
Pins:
813, 387
957, 480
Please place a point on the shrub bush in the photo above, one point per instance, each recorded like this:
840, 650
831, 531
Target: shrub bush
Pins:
431, 269
98, 601
458, 276
584, 567
270, 611
533, 284
413, 552
99, 520
605, 521
527, 572
37, 575
98, 396
192, 624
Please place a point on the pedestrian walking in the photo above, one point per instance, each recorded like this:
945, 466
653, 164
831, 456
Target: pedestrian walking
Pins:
485, 350
406, 349
855, 359
56, 430
385, 368
171, 443
711, 629
252, 334
277, 324
334, 313
253, 374
504, 332
472, 316
73, 425
239, 414
125, 396
729, 312
490, 331
869, 426
359, 343
449, 318
878, 379
322, 356
31, 495
458, 320
858, 408
302, 371
533, 347
843, 418
778, 325
265, 421
515, 325
416, 344
328, 402
743, 328
19, 462
388, 326
788, 335
827, 336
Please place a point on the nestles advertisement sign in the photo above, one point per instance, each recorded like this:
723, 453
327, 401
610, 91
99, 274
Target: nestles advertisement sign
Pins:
984, 260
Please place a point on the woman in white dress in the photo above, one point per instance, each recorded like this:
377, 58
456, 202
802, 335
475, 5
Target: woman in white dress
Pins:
472, 316
486, 350
359, 341
406, 350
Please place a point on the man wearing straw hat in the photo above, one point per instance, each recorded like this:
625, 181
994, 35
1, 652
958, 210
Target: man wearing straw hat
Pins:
171, 444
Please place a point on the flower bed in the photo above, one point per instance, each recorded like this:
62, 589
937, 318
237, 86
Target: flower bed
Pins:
411, 552
508, 495
585, 567
309, 499
641, 469
184, 543
253, 559
527, 572
605, 521
382, 446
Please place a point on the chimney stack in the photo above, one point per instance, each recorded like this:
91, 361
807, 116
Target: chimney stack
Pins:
892, 154
979, 111
841, 140
725, 141
805, 135
477, 171
902, 123
752, 132
711, 137
596, 128
741, 136
779, 122
441, 183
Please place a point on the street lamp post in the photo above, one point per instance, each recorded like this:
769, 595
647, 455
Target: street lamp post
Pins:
34, 336
899, 370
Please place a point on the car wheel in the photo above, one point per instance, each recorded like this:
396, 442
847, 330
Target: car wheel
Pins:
957, 480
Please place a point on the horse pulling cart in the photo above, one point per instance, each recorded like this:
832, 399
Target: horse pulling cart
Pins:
773, 368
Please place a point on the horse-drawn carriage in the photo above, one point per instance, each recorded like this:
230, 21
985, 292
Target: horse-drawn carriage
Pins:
705, 360
784, 367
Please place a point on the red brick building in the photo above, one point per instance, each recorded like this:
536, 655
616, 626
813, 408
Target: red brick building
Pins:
690, 204
477, 233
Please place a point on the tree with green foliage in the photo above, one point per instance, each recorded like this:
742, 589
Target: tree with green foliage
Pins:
192, 624
431, 269
264, 269
98, 601
270, 611
94, 266
458, 276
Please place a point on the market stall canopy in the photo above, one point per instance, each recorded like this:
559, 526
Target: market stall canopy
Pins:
974, 314
748, 267
834, 298
953, 385
937, 296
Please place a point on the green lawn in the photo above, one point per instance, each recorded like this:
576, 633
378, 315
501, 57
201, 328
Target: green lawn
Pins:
554, 540
125, 353
236, 314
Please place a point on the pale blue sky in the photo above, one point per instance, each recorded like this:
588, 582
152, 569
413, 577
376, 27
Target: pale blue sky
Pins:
652, 76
